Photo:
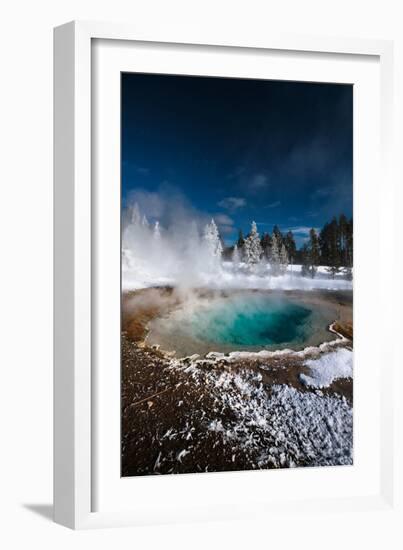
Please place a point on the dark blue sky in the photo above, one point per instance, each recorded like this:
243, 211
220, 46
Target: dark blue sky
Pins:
271, 151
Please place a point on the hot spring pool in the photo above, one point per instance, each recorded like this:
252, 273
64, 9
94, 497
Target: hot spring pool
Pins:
243, 320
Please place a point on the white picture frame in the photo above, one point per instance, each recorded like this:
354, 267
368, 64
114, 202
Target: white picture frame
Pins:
77, 472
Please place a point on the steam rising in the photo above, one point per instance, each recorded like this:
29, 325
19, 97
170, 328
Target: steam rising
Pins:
174, 253
167, 242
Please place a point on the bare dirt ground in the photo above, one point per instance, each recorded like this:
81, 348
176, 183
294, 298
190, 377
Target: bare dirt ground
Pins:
157, 403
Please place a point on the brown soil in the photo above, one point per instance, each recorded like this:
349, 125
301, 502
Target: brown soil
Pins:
141, 306
344, 328
164, 412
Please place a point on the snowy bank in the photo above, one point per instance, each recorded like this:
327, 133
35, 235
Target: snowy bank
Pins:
327, 368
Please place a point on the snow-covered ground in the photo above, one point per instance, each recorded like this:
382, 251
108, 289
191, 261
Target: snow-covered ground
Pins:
139, 273
329, 367
282, 427
242, 276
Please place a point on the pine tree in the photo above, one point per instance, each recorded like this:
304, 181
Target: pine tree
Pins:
275, 251
336, 246
212, 240
334, 259
283, 259
252, 247
311, 255
343, 228
349, 250
265, 244
279, 235
290, 246
240, 244
275, 254
314, 252
306, 261
324, 242
346, 245
241, 239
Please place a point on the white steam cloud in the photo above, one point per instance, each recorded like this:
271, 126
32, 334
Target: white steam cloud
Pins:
165, 241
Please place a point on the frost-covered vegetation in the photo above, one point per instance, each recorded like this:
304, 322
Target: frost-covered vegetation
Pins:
193, 254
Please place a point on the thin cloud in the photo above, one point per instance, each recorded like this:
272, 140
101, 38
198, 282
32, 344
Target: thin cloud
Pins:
225, 223
223, 219
273, 204
300, 230
258, 182
232, 203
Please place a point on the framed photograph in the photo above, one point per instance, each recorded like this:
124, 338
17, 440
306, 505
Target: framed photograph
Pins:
221, 310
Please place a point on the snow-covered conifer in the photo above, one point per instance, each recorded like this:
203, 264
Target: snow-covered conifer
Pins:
212, 239
252, 247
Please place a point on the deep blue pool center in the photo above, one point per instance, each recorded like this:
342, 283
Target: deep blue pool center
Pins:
251, 321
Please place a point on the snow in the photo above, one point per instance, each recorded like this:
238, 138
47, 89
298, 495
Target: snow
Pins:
328, 367
260, 277
276, 426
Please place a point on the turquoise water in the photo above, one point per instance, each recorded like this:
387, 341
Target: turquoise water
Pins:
259, 322
243, 320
